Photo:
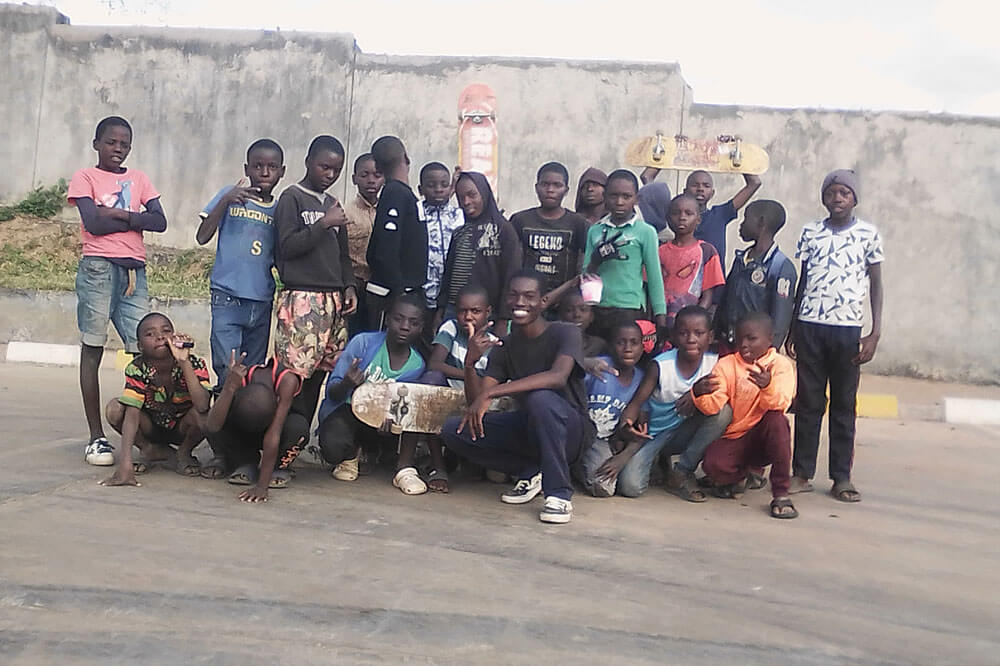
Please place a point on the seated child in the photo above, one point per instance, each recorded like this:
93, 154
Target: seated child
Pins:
572, 309
673, 425
446, 366
443, 218
608, 394
242, 287
374, 357
254, 436
621, 248
165, 399
758, 384
762, 279
691, 268
541, 364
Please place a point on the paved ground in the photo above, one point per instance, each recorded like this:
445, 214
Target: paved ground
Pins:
179, 572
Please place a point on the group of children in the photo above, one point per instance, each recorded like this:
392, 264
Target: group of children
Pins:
615, 331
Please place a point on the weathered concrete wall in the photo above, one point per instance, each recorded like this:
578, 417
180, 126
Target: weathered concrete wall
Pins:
931, 184
198, 97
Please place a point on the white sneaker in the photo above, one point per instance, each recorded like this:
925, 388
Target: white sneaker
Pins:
100, 452
523, 491
556, 510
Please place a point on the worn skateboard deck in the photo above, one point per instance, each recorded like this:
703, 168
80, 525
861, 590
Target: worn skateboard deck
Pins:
724, 154
478, 139
411, 407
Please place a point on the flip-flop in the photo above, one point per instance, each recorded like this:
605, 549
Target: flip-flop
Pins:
755, 481
215, 469
730, 490
437, 481
845, 491
783, 503
799, 485
280, 478
140, 467
245, 475
188, 466
684, 486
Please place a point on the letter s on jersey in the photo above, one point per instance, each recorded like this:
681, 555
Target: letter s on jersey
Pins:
256, 248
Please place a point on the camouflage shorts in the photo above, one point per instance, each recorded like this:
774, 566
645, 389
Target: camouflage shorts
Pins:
311, 333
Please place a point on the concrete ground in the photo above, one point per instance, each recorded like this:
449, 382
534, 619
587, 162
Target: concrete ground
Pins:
179, 572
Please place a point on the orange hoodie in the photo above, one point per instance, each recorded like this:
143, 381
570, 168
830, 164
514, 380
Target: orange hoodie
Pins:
749, 401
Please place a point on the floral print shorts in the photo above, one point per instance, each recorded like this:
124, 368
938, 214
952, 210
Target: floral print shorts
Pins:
311, 333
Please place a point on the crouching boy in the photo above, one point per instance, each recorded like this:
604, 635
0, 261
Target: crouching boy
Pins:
758, 384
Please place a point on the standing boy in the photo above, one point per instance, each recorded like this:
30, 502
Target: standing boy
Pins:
541, 363
314, 262
714, 220
242, 285
443, 217
553, 238
690, 267
590, 195
841, 260
116, 205
621, 248
360, 213
397, 251
757, 383
762, 279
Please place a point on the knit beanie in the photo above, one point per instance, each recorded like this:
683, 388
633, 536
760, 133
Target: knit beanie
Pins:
845, 177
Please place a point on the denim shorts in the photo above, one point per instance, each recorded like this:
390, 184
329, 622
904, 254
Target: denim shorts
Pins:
100, 297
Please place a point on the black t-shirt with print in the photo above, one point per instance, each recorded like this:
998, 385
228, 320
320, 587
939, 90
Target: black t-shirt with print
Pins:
553, 248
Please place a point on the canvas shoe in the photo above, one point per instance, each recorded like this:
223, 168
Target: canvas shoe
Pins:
556, 510
347, 470
100, 452
523, 491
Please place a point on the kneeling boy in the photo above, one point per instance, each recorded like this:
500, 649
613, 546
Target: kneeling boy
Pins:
541, 363
249, 425
758, 383
166, 395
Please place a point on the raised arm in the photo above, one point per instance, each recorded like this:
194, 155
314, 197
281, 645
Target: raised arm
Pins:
741, 198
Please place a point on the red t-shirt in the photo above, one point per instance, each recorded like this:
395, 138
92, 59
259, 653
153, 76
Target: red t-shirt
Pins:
687, 272
129, 190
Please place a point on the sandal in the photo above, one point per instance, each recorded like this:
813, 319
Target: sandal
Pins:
140, 467
409, 481
755, 481
280, 478
245, 475
188, 466
782, 507
346, 470
845, 492
437, 480
215, 469
799, 485
684, 486
730, 490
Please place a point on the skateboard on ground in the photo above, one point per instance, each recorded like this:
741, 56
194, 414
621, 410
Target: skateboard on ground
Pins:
419, 408
724, 154
477, 133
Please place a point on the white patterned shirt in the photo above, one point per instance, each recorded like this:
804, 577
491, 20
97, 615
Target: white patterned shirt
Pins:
836, 279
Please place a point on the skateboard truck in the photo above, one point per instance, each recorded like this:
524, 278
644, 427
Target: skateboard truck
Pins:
735, 154
658, 150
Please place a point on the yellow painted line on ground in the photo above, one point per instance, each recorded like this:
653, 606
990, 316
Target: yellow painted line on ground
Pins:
877, 406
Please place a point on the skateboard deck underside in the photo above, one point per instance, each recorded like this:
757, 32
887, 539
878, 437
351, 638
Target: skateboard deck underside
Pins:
478, 139
684, 154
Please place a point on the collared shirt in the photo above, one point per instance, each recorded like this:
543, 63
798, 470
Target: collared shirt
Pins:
623, 276
360, 220
759, 285
442, 221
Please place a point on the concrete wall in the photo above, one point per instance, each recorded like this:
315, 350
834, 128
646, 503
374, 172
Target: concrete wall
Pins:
198, 97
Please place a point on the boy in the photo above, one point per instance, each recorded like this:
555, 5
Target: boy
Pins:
360, 213
620, 248
762, 279
607, 395
397, 252
116, 205
443, 218
590, 195
690, 267
314, 262
374, 357
242, 286
165, 398
841, 259
714, 220
541, 363
673, 425
250, 423
572, 309
446, 366
758, 384
553, 238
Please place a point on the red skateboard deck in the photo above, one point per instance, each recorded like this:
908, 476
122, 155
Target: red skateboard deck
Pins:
478, 145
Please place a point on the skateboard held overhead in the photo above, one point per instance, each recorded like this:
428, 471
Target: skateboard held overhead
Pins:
726, 153
477, 133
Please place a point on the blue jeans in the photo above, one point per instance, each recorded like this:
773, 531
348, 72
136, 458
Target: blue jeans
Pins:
240, 324
689, 439
101, 296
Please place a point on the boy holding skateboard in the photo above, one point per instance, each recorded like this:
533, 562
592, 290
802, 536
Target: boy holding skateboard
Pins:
541, 364
449, 350
374, 357
841, 260
621, 248
690, 267
714, 220
553, 238
761, 279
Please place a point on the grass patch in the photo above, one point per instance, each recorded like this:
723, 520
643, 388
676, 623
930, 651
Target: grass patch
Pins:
42, 202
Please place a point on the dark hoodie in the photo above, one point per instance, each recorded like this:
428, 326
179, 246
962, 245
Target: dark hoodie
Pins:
485, 251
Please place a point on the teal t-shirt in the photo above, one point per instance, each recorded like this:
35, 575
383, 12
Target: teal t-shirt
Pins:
379, 371
623, 276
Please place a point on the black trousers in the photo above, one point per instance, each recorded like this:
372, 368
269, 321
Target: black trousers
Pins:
823, 355
238, 448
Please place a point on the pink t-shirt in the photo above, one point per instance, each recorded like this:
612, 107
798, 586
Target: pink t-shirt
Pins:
130, 191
